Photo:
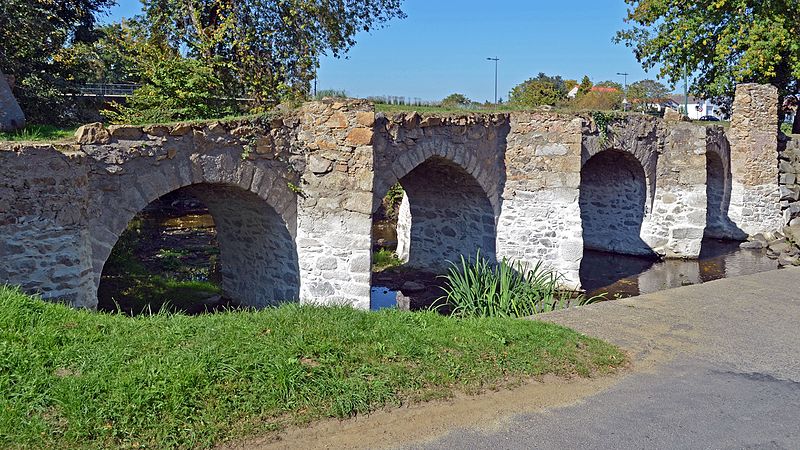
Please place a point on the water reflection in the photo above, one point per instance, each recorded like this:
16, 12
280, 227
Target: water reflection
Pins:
382, 298
626, 276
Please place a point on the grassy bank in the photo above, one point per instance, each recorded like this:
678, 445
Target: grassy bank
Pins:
79, 379
33, 133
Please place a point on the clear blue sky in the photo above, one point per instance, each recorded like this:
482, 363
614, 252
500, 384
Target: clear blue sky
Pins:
442, 46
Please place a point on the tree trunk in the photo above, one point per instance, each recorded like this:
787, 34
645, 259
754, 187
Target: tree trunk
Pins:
796, 124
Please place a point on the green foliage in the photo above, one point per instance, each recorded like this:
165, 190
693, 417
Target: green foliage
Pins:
610, 84
104, 59
456, 101
542, 90
79, 379
391, 201
602, 121
479, 288
38, 133
586, 86
599, 101
265, 50
175, 88
385, 259
32, 33
722, 42
645, 93
333, 93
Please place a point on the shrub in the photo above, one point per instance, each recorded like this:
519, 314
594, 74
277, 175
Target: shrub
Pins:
479, 288
384, 259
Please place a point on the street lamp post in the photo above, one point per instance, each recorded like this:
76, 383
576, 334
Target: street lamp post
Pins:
624, 90
495, 59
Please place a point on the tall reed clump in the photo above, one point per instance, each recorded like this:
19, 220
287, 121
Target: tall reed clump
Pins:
480, 288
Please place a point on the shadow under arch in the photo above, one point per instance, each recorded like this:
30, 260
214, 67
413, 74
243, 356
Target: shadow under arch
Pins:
258, 255
613, 198
718, 194
445, 213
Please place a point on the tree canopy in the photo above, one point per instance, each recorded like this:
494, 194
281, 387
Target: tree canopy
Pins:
542, 90
645, 93
266, 49
32, 33
721, 42
456, 101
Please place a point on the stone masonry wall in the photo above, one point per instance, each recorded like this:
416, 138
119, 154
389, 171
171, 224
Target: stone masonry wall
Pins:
335, 203
44, 240
676, 224
753, 135
789, 184
540, 216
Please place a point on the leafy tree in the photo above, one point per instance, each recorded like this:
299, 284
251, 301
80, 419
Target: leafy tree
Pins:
107, 58
600, 100
647, 92
570, 84
724, 42
32, 32
456, 101
610, 84
542, 90
265, 49
586, 85
174, 87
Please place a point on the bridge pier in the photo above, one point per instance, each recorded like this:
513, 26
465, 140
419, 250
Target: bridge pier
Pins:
755, 194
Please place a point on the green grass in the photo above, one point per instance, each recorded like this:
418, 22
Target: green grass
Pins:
384, 259
479, 288
79, 379
38, 133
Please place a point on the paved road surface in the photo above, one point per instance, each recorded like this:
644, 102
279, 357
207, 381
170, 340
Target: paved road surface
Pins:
716, 366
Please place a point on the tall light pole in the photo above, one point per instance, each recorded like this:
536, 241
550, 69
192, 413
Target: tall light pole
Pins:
624, 90
495, 59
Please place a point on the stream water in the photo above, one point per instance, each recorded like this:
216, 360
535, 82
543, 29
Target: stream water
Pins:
616, 276
626, 276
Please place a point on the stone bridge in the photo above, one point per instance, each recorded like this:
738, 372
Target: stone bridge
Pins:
293, 194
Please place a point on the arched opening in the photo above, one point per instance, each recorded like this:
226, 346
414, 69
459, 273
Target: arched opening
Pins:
201, 248
434, 214
715, 192
718, 198
613, 198
613, 194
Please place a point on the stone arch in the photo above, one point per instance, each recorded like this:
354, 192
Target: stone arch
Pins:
613, 198
254, 210
442, 148
445, 213
645, 155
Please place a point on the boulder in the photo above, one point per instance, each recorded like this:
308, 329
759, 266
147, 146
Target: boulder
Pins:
752, 245
786, 260
11, 116
93, 133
